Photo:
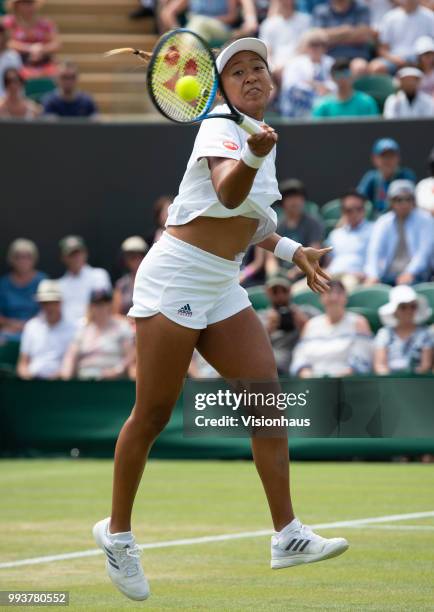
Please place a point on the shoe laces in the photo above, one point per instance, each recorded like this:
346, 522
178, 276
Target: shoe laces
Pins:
306, 531
128, 559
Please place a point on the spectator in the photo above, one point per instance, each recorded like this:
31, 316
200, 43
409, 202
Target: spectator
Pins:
282, 32
399, 30
211, 19
248, 19
283, 321
200, 368
80, 279
253, 267
35, 38
15, 105
401, 244
347, 102
425, 188
377, 10
350, 242
18, 288
133, 251
308, 6
348, 30
146, 8
103, 348
409, 101
46, 337
307, 77
404, 344
386, 160
425, 57
8, 58
336, 343
161, 206
296, 224
68, 100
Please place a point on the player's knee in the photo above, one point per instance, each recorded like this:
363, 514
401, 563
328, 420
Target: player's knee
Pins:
150, 423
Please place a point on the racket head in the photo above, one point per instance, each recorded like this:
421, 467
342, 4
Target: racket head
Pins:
182, 53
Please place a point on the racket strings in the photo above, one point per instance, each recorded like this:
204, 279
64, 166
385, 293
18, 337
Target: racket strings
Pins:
182, 54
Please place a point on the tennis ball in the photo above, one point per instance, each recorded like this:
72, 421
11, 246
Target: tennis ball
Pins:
187, 88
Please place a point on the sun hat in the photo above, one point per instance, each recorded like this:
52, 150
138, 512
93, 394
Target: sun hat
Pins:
48, 291
242, 44
403, 294
409, 71
400, 187
424, 44
134, 244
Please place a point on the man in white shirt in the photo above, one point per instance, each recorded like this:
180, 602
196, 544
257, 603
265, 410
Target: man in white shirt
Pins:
282, 32
409, 101
46, 337
399, 31
80, 279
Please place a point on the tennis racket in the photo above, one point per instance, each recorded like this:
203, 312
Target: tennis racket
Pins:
182, 53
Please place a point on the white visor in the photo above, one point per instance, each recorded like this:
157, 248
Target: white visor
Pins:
242, 44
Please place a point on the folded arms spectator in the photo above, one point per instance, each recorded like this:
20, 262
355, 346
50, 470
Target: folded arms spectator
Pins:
68, 100
401, 245
409, 101
404, 344
46, 337
18, 288
15, 105
34, 37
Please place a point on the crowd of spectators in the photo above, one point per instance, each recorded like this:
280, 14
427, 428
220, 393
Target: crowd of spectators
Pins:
382, 235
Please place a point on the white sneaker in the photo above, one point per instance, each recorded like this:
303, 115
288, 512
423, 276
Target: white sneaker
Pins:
123, 561
297, 544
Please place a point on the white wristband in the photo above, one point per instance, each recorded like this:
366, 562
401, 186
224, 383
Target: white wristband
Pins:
286, 248
250, 159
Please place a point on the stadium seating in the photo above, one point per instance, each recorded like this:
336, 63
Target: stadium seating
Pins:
9, 357
36, 89
370, 314
376, 85
369, 297
308, 297
331, 210
312, 209
258, 297
427, 289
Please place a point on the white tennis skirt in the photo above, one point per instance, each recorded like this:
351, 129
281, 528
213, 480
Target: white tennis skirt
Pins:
188, 285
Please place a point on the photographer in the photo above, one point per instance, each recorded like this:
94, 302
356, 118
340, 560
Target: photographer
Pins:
283, 321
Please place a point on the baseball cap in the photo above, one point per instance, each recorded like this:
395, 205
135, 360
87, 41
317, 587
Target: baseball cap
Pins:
409, 71
400, 187
278, 281
385, 144
134, 244
100, 296
242, 44
48, 291
424, 44
69, 244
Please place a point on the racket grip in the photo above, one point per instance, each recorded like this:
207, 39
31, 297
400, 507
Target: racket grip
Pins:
249, 125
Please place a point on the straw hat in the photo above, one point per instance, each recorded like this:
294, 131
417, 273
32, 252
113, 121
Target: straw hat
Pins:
403, 294
48, 291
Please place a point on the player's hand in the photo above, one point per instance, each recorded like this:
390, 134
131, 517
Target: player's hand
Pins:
261, 144
307, 259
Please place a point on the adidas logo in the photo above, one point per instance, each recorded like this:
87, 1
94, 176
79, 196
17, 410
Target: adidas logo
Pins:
185, 311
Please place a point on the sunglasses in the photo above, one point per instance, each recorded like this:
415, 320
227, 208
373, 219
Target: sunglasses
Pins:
353, 209
402, 199
408, 306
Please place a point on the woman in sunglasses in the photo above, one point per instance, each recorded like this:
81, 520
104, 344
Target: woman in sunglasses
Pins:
15, 104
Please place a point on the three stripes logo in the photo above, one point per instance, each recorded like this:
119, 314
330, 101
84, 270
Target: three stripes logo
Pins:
110, 557
297, 545
185, 311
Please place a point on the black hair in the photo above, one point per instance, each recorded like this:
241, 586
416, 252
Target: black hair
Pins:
7, 72
291, 187
340, 64
431, 162
352, 193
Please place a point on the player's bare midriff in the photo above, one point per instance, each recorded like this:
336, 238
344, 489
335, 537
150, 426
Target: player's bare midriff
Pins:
223, 237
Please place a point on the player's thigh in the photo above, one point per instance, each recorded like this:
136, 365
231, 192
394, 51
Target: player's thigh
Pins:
164, 351
239, 347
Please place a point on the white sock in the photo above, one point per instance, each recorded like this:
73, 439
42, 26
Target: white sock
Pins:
288, 527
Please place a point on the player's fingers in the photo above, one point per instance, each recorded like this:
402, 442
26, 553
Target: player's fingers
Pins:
323, 273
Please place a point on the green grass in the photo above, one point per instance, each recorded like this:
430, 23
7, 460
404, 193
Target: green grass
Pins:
49, 507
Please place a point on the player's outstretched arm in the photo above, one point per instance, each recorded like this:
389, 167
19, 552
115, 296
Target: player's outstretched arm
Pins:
305, 258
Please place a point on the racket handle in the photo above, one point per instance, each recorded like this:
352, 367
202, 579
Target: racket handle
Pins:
249, 125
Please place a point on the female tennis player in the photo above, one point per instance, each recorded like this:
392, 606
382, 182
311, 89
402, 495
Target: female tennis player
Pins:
187, 296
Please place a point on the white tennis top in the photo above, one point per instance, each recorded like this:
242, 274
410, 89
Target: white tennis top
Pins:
197, 197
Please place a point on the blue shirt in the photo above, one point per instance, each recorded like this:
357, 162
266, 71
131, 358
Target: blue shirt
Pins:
419, 236
308, 6
404, 354
359, 105
374, 186
349, 247
209, 8
18, 302
81, 106
325, 17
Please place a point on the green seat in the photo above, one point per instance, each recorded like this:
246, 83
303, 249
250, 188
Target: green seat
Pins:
331, 210
376, 85
370, 314
9, 356
309, 298
369, 297
2, 7
312, 209
36, 89
427, 289
329, 225
258, 297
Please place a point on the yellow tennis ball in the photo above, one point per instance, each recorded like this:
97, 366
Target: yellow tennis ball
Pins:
187, 88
